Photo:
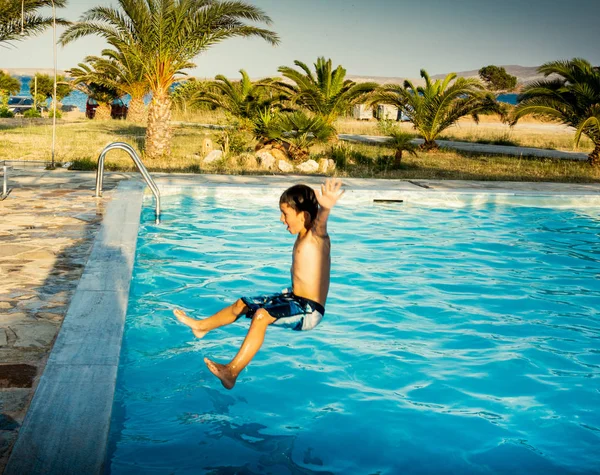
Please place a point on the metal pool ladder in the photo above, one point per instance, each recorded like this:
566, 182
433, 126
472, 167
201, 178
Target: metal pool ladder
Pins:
140, 166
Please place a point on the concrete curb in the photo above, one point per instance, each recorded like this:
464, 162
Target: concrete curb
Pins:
487, 149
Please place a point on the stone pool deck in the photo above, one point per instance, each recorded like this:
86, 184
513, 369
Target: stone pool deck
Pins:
47, 228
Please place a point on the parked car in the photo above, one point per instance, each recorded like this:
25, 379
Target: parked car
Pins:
20, 104
118, 109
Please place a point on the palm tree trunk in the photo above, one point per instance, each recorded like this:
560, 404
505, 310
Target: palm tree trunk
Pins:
158, 132
137, 110
429, 145
594, 157
397, 159
102, 112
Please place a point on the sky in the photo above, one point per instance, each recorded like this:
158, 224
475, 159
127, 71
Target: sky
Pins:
385, 38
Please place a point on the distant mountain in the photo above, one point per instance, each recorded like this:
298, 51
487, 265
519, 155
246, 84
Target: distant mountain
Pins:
524, 74
378, 79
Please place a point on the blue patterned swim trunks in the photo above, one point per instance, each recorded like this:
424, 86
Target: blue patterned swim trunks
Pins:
291, 311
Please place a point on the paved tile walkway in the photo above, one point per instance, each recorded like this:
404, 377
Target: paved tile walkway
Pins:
47, 226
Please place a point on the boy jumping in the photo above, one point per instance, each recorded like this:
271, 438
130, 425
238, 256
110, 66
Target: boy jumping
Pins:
304, 213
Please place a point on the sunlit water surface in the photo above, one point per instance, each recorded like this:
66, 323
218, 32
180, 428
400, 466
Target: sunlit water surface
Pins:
460, 337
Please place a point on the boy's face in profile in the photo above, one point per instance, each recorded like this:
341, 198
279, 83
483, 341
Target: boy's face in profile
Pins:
293, 219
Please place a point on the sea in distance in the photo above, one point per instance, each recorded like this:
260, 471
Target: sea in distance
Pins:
78, 98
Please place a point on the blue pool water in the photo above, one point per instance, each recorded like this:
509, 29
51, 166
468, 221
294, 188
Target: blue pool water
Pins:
462, 335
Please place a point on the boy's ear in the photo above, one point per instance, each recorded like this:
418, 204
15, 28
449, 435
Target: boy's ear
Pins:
307, 219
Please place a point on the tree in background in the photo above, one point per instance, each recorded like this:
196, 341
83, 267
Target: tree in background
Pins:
437, 105
573, 98
15, 27
165, 36
92, 83
243, 99
497, 79
121, 72
401, 142
45, 87
326, 93
182, 94
8, 84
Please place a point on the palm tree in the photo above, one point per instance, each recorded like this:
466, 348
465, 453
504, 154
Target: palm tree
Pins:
572, 98
165, 36
20, 20
123, 73
327, 94
439, 104
295, 131
401, 142
92, 83
242, 99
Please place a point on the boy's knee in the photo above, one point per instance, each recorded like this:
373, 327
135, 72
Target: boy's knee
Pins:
262, 316
239, 306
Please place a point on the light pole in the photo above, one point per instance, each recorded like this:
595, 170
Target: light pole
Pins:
54, 86
54, 89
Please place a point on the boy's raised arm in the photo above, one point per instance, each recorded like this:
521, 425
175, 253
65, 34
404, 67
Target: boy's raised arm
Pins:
330, 194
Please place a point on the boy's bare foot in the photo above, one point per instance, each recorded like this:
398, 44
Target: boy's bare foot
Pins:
190, 322
222, 372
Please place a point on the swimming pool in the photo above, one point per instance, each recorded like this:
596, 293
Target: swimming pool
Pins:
461, 336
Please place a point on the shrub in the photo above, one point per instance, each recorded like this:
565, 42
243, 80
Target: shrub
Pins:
32, 113
387, 127
234, 141
5, 113
84, 164
344, 155
58, 113
341, 153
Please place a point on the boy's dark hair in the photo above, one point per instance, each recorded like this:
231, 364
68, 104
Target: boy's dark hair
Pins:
301, 198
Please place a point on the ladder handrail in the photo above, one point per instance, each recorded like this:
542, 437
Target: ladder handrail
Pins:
140, 166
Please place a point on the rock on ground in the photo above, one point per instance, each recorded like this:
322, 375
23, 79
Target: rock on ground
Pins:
285, 166
310, 166
213, 156
265, 159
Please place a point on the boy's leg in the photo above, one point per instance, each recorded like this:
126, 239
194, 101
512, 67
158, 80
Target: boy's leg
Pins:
254, 339
222, 317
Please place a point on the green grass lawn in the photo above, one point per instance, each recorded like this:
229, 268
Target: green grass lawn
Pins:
82, 141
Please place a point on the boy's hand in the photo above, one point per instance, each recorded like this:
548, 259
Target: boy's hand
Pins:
330, 193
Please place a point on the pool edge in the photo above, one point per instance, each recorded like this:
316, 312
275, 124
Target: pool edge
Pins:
67, 425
